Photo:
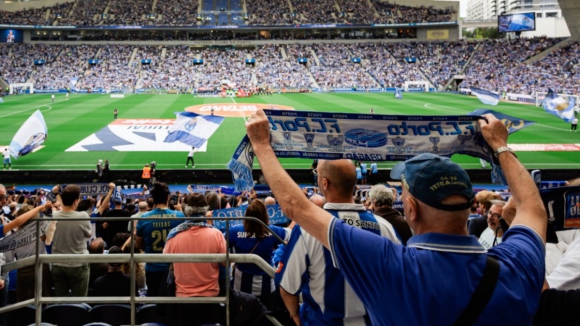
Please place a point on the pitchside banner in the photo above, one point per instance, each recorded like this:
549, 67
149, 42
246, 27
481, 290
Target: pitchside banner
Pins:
563, 207
274, 212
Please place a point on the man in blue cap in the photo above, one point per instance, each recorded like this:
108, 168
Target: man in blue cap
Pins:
437, 278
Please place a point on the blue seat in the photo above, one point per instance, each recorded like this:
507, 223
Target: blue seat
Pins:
22, 317
113, 314
148, 314
75, 314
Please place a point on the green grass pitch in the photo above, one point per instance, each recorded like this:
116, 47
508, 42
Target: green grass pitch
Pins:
71, 121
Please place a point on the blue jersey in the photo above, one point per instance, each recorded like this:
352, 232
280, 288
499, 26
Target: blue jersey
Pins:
306, 267
154, 233
363, 168
250, 278
374, 168
439, 273
358, 173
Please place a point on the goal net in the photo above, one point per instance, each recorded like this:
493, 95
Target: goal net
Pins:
417, 84
540, 96
23, 86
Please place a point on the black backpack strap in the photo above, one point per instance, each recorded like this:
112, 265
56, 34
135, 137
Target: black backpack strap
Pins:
482, 294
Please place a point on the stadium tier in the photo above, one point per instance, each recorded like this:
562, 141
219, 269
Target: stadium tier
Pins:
496, 65
224, 12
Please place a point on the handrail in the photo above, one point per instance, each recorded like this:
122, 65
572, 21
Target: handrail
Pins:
142, 258
39, 259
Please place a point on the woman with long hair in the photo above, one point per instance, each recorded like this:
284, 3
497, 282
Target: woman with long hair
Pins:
253, 237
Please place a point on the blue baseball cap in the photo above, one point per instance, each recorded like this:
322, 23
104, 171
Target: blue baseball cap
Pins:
431, 179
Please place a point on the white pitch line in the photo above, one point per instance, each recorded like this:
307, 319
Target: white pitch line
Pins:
36, 107
241, 116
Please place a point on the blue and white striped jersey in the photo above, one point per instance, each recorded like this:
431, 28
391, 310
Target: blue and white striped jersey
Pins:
306, 267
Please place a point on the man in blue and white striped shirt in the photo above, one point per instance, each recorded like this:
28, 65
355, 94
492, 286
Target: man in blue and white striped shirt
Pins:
306, 266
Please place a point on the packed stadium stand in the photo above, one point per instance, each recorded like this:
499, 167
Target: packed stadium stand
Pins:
223, 12
495, 65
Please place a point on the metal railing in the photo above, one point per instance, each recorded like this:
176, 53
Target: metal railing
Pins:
39, 259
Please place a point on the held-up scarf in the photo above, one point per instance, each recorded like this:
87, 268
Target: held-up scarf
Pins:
365, 137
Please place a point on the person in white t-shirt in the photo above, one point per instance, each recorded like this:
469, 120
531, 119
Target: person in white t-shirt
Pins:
192, 151
52, 97
6, 155
574, 125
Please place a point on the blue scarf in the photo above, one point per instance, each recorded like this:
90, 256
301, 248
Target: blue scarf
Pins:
364, 137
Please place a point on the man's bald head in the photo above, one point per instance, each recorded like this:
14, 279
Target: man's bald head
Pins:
340, 178
318, 200
97, 246
269, 201
142, 206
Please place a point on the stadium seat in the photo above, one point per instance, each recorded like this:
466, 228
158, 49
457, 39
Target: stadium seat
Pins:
75, 314
22, 317
147, 314
113, 314
97, 324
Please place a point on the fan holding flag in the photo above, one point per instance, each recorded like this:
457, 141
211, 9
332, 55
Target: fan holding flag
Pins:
398, 94
558, 106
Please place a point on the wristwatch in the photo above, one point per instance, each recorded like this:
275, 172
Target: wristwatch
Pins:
503, 149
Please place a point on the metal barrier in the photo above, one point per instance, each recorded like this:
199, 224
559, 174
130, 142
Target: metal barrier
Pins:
131, 258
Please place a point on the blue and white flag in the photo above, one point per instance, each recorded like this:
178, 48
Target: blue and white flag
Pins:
512, 123
398, 94
193, 129
331, 136
30, 136
486, 97
558, 106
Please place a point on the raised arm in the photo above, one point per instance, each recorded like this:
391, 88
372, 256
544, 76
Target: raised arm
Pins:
105, 202
25, 217
295, 205
530, 210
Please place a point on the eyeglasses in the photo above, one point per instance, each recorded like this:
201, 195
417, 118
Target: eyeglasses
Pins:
494, 215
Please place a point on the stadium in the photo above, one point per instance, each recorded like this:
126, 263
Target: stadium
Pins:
111, 79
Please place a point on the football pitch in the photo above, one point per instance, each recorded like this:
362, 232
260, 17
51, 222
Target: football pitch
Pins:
81, 130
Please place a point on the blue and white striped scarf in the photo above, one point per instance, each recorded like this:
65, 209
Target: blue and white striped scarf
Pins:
364, 137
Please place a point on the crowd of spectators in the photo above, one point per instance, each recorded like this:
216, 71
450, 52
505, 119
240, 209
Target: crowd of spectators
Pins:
32, 16
176, 13
266, 12
397, 13
68, 66
316, 12
227, 65
131, 13
336, 69
383, 67
260, 12
85, 13
498, 66
278, 73
175, 71
356, 12
112, 71
439, 60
